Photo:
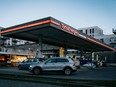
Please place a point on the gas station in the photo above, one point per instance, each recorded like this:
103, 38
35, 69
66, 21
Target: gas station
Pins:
54, 32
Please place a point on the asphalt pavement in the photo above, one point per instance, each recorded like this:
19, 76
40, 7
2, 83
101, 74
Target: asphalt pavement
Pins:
84, 73
101, 75
12, 83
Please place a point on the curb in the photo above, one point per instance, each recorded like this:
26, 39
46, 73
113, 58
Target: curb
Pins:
58, 81
111, 64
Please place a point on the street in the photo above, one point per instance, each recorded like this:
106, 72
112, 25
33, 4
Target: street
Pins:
84, 77
12, 83
84, 73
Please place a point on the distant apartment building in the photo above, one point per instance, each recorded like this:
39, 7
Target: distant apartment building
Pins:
92, 31
114, 30
108, 39
97, 33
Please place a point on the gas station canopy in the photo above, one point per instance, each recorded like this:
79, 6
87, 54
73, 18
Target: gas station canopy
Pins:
54, 32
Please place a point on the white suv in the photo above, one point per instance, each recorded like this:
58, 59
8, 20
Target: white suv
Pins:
54, 64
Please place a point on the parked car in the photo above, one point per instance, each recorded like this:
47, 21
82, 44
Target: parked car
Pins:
66, 65
26, 63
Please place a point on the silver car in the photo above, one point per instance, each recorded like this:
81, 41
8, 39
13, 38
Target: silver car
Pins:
54, 64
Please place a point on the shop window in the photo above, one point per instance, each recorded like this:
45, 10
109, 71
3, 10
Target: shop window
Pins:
90, 31
86, 31
93, 30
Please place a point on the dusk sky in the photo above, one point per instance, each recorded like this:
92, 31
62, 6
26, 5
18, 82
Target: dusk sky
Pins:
76, 13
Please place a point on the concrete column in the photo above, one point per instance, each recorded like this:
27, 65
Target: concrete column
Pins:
97, 57
40, 47
81, 52
4, 49
65, 50
93, 56
92, 59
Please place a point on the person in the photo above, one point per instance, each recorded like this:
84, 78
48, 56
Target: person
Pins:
101, 63
77, 63
95, 62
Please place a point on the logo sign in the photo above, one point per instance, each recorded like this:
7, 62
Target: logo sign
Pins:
69, 29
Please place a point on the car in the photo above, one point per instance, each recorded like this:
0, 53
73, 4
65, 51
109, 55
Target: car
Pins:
66, 65
89, 65
26, 63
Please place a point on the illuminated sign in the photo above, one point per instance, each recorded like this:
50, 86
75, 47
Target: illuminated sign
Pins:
25, 26
92, 40
69, 29
65, 27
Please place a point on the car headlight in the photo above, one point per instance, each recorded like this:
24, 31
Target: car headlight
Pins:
30, 66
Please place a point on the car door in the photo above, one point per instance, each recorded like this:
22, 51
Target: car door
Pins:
50, 64
25, 64
60, 63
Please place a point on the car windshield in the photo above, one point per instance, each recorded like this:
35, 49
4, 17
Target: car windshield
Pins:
42, 59
62, 60
30, 60
46, 60
53, 60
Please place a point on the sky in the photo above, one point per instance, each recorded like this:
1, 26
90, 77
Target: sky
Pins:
76, 13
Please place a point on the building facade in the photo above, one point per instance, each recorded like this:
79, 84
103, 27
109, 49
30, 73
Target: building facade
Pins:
97, 33
92, 31
108, 39
114, 30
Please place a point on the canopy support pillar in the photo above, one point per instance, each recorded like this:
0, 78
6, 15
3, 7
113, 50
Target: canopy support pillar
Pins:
40, 47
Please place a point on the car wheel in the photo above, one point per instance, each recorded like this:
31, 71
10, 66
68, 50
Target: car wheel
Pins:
37, 71
20, 67
67, 71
